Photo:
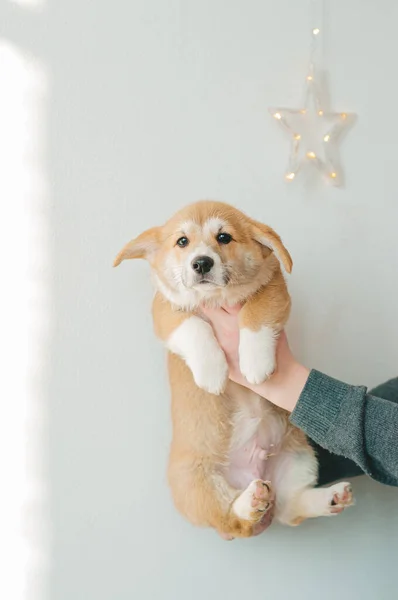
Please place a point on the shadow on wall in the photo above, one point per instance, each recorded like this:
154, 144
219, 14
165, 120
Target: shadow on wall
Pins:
60, 174
26, 318
46, 146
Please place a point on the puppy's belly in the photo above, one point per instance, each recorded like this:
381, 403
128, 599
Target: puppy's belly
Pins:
250, 461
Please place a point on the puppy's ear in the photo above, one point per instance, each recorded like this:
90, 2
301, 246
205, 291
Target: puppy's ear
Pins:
267, 237
141, 247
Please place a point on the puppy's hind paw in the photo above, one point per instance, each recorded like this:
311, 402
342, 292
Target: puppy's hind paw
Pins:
340, 497
254, 501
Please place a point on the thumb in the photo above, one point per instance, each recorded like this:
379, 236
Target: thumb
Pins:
220, 313
211, 312
232, 310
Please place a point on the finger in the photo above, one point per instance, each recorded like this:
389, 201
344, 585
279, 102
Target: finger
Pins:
232, 310
282, 340
282, 336
212, 313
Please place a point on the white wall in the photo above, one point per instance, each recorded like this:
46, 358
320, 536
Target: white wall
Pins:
151, 105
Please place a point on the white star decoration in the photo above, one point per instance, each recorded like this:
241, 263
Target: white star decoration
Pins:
314, 134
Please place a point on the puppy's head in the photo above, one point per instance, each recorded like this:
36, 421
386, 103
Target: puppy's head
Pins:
206, 247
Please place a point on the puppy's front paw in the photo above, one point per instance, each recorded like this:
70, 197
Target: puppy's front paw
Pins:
210, 371
194, 341
257, 354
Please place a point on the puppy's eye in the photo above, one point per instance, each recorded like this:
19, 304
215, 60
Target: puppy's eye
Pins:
182, 242
224, 238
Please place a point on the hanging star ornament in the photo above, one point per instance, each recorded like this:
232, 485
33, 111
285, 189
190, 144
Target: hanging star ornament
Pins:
314, 133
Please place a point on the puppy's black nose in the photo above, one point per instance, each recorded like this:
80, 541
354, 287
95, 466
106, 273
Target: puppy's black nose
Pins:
202, 264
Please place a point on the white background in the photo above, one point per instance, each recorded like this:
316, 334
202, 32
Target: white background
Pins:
130, 110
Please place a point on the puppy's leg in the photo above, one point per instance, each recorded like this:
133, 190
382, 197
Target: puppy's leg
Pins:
204, 497
195, 342
322, 502
191, 338
297, 499
260, 321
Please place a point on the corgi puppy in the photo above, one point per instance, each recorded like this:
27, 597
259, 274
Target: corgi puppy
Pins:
236, 461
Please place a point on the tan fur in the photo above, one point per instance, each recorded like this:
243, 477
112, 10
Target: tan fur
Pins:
269, 306
203, 423
166, 318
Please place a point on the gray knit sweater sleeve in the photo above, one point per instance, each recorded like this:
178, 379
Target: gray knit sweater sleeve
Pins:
348, 421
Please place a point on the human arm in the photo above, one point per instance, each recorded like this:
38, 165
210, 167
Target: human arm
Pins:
348, 421
344, 419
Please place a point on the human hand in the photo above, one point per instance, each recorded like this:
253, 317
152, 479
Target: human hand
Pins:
284, 387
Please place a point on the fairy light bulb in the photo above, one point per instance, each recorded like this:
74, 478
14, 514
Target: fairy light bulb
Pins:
326, 138
290, 176
277, 116
316, 31
311, 154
